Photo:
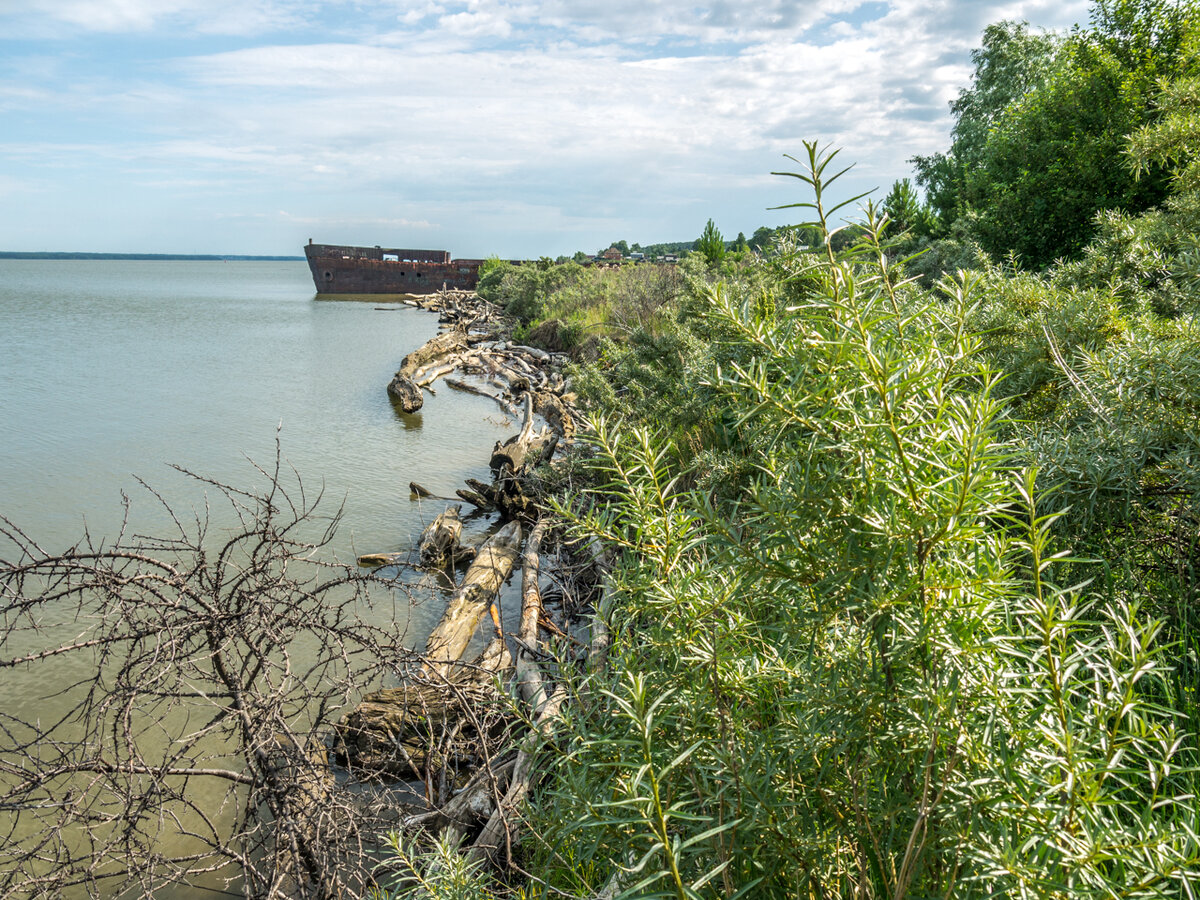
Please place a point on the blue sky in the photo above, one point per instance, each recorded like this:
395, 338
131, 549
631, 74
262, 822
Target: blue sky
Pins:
491, 126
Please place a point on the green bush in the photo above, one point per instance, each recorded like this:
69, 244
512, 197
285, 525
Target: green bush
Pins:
867, 670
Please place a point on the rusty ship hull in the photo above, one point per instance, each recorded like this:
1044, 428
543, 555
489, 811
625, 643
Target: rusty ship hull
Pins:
338, 269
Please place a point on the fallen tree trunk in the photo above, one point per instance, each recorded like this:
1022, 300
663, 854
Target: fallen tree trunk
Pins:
424, 726
404, 385
528, 674
487, 573
514, 452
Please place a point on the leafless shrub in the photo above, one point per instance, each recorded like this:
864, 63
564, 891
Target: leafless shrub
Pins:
192, 749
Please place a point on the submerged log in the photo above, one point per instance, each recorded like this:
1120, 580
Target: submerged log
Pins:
487, 573
375, 560
406, 392
440, 540
408, 731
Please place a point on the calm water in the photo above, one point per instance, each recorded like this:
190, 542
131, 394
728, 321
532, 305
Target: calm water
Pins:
115, 369
111, 370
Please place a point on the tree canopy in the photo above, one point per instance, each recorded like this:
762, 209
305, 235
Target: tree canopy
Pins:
1039, 138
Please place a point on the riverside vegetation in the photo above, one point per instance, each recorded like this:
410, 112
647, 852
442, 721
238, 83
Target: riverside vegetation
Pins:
906, 601
904, 585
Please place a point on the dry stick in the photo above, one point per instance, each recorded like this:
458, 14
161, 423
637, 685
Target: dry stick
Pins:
601, 635
432, 373
533, 692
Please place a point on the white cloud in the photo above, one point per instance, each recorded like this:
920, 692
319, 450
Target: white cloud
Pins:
228, 17
577, 111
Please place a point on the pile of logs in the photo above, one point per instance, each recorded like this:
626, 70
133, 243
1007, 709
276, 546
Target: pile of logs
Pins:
450, 729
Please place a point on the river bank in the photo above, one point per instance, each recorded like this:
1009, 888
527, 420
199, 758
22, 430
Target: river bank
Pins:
231, 608
444, 729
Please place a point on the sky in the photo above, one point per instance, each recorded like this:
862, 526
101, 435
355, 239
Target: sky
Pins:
504, 127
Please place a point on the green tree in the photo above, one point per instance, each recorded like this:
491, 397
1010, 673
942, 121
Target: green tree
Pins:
906, 211
762, 236
1040, 133
1011, 62
711, 244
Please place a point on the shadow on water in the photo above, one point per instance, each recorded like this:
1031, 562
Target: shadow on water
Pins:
411, 421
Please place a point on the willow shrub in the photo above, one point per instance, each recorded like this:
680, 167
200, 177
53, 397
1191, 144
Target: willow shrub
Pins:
861, 673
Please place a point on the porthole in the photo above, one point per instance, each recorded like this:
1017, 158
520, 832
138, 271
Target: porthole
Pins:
329, 276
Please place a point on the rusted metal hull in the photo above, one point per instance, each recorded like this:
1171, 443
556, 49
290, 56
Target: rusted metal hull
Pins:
376, 270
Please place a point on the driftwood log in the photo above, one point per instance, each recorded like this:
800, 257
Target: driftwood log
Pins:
440, 541
447, 726
404, 387
427, 730
493, 563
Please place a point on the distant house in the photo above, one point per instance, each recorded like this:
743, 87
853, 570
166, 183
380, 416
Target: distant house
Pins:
611, 253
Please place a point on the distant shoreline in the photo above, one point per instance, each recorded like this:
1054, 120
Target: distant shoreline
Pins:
168, 257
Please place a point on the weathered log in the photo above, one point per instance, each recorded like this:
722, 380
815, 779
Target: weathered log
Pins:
475, 498
440, 540
419, 492
547, 405
512, 453
539, 355
485, 490
403, 385
446, 343
487, 573
404, 732
430, 374
375, 560
459, 385
528, 673
406, 392
495, 833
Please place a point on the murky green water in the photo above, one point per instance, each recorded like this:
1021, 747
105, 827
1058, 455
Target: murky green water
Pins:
112, 370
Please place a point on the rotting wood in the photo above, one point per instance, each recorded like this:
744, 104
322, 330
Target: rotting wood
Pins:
404, 385
441, 539
406, 731
513, 452
496, 832
375, 560
459, 385
475, 498
430, 374
487, 573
